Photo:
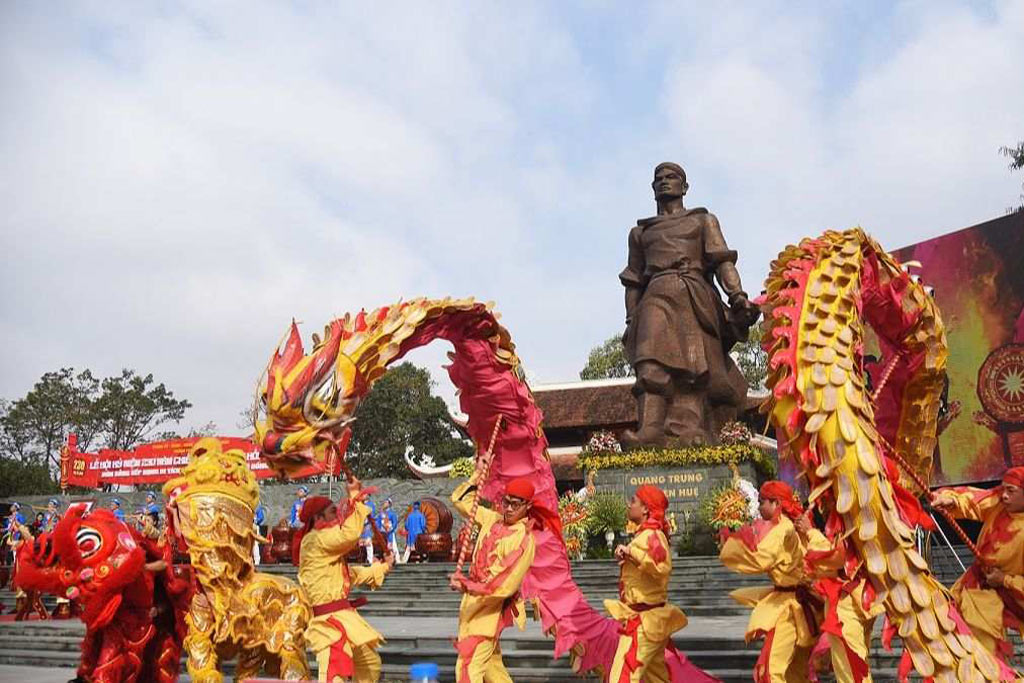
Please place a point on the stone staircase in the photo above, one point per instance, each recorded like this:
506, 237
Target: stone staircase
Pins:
409, 606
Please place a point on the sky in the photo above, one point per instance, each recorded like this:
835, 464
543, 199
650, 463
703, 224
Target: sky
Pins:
178, 180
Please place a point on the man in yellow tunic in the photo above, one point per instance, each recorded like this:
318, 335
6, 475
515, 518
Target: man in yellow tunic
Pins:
491, 601
647, 620
345, 645
850, 604
990, 595
784, 615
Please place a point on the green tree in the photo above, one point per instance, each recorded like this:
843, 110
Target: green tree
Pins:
25, 479
1016, 157
401, 413
131, 407
118, 412
35, 427
607, 360
751, 358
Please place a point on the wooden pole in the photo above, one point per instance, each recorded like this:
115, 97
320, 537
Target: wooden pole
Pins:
916, 478
483, 466
377, 535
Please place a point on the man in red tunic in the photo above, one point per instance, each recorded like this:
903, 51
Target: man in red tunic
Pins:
990, 595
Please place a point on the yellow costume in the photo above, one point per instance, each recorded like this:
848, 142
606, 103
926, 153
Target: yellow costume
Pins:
782, 614
989, 610
847, 618
345, 645
648, 621
491, 602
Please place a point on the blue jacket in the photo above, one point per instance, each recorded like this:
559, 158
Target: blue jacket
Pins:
367, 528
8, 526
296, 511
415, 524
393, 518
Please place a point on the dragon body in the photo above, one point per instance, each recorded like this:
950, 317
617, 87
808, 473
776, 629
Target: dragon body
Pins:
820, 296
306, 400
236, 611
134, 618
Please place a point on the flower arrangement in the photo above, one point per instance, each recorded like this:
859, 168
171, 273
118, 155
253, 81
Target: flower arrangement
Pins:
725, 508
696, 455
735, 432
573, 513
462, 468
602, 442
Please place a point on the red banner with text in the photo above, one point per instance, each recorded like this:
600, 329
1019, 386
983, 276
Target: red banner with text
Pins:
150, 463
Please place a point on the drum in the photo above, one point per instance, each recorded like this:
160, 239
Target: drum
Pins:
281, 543
439, 517
436, 546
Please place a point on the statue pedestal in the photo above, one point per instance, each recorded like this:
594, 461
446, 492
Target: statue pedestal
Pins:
685, 486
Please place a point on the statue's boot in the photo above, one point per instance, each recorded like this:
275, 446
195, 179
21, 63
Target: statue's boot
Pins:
652, 409
686, 424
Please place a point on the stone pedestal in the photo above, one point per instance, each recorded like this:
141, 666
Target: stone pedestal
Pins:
685, 486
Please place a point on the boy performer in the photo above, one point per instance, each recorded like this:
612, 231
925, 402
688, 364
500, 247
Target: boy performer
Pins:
785, 615
491, 601
850, 604
990, 595
648, 621
344, 643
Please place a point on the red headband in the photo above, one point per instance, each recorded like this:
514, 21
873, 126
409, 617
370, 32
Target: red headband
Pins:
520, 488
1014, 476
311, 507
656, 502
783, 493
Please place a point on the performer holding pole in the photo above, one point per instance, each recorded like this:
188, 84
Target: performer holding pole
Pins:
344, 643
786, 614
990, 595
648, 621
491, 601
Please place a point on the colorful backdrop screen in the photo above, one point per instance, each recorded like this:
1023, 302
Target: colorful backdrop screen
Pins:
978, 277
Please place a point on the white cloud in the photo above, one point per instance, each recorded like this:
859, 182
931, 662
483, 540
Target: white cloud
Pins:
179, 181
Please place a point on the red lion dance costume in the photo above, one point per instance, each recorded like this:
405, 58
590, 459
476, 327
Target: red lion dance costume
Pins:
134, 617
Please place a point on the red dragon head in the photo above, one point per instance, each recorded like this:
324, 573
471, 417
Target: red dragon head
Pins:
89, 556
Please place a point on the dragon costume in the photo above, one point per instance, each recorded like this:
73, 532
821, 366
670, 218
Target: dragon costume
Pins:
305, 402
134, 617
236, 611
847, 441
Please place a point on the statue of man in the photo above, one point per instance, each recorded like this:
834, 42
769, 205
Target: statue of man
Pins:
678, 332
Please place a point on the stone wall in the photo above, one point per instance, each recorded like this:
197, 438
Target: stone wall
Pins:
278, 498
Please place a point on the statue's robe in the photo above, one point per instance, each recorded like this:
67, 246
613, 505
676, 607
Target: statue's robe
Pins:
680, 321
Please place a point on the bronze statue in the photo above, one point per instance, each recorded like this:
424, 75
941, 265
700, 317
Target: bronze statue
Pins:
678, 332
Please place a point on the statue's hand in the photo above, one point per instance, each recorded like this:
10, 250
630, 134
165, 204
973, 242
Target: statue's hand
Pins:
744, 311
